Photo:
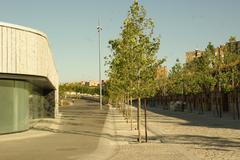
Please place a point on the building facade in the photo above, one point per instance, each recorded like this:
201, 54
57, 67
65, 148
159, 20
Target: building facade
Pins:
233, 47
28, 78
191, 55
162, 72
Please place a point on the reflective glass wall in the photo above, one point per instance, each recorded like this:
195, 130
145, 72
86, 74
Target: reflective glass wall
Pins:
14, 106
20, 103
38, 103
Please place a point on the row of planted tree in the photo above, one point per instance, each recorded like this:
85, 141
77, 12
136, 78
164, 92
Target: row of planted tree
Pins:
133, 63
201, 84
209, 82
200, 103
79, 88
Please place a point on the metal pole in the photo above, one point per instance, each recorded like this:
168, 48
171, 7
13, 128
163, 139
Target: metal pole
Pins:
100, 79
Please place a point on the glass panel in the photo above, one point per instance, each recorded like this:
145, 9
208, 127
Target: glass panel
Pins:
6, 106
21, 104
14, 106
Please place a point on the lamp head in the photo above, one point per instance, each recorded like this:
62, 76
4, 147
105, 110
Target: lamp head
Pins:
99, 28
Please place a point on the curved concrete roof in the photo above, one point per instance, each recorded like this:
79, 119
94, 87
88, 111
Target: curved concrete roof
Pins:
4, 24
26, 51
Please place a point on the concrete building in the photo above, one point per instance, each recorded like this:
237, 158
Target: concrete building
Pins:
28, 78
162, 72
219, 51
191, 55
92, 83
82, 83
233, 47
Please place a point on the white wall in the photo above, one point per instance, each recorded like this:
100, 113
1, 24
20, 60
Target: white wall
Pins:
26, 51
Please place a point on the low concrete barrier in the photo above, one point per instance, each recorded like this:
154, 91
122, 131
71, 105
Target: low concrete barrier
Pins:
96, 99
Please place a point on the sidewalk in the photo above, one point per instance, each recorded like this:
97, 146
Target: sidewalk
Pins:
75, 135
153, 150
197, 136
88, 133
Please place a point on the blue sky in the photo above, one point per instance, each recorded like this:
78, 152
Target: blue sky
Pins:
71, 27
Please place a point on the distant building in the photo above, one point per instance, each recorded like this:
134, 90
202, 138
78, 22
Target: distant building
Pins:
191, 55
233, 47
83, 83
92, 83
69, 94
219, 51
162, 72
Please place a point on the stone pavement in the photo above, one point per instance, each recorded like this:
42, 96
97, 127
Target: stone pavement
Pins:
197, 136
83, 132
75, 135
129, 148
208, 137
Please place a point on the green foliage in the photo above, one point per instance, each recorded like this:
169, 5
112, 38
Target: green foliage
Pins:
204, 67
133, 63
230, 66
175, 83
232, 39
208, 72
77, 87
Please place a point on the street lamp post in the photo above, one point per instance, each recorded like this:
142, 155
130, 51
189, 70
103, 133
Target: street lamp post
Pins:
99, 29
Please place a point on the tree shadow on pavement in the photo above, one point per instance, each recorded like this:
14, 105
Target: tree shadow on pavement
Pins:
83, 118
210, 143
109, 136
193, 119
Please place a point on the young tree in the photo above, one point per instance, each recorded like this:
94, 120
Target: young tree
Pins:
231, 73
134, 63
204, 74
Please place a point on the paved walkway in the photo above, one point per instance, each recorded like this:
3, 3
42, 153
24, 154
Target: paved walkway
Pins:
207, 137
76, 135
197, 136
129, 148
83, 132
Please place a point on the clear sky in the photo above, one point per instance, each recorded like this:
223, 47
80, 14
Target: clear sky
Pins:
71, 27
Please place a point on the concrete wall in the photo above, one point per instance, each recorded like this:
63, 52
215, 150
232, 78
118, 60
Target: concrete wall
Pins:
25, 51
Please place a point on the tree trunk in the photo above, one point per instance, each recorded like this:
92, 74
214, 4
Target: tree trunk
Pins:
139, 119
138, 115
131, 113
123, 104
145, 117
220, 105
127, 107
201, 103
237, 105
217, 104
190, 102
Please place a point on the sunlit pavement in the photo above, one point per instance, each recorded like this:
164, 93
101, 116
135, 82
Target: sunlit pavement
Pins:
77, 134
196, 136
84, 132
